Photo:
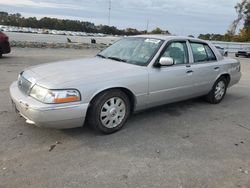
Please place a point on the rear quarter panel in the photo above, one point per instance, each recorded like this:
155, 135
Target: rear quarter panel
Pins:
232, 67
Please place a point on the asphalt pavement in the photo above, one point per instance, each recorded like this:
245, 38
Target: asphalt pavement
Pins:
183, 145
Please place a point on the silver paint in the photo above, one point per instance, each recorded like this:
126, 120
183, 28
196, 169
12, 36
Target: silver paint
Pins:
149, 85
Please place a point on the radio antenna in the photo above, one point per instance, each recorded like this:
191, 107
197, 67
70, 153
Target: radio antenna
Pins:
109, 12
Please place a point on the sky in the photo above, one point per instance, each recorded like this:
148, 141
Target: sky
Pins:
180, 17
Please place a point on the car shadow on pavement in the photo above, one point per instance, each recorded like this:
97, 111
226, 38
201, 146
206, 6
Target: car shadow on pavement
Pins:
143, 119
170, 110
145, 131
4, 57
160, 128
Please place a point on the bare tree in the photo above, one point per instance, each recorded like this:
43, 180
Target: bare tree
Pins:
240, 9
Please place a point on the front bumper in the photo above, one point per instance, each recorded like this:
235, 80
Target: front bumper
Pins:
60, 116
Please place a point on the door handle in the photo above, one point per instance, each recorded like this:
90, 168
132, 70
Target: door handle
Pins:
216, 68
189, 71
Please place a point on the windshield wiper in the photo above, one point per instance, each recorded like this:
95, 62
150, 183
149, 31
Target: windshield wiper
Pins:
117, 59
102, 56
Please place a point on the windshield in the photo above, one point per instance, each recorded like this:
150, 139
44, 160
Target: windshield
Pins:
138, 51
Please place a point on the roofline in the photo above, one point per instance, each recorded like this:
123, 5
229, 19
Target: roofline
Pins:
169, 37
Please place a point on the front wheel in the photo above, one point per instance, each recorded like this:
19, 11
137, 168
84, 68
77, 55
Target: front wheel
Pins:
109, 111
218, 92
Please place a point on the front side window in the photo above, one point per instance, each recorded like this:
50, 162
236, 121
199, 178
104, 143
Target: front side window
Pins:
178, 52
138, 51
202, 52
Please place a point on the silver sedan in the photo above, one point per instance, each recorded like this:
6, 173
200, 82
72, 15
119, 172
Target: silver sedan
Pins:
133, 74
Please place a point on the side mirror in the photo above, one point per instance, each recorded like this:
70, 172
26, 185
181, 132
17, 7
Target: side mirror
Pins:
166, 61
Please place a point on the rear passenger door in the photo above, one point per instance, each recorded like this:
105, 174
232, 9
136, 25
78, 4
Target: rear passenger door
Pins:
205, 67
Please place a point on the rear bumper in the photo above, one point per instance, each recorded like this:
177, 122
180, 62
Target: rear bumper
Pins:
5, 47
61, 116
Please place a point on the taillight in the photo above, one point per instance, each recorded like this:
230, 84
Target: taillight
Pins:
6, 38
239, 67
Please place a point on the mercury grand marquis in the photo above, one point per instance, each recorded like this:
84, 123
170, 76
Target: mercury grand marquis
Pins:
133, 74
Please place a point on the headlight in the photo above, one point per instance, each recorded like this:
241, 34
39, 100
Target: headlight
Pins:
54, 96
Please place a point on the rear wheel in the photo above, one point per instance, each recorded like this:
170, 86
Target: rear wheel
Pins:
218, 92
109, 111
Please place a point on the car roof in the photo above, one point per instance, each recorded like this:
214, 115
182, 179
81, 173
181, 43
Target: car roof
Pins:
169, 37
174, 37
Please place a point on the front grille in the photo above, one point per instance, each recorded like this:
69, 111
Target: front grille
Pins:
24, 85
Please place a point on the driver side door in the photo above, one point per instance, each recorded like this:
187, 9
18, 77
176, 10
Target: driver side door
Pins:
171, 83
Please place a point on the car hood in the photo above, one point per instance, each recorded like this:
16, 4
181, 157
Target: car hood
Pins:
66, 73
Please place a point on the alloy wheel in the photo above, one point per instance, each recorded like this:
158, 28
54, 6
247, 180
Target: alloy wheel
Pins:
113, 112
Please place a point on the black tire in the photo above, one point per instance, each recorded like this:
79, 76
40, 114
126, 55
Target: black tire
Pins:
236, 55
96, 107
211, 96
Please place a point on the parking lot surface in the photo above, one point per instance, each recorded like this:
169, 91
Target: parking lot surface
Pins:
183, 145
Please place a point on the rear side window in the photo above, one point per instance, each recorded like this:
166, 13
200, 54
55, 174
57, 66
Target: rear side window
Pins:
210, 54
202, 52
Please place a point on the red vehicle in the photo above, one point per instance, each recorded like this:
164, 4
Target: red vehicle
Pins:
4, 44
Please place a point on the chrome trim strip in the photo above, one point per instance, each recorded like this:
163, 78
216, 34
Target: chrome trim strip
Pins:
55, 108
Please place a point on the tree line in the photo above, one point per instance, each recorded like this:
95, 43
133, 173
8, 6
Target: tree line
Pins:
67, 25
244, 34
83, 26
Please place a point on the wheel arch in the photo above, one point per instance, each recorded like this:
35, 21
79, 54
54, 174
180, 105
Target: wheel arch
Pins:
127, 91
226, 76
